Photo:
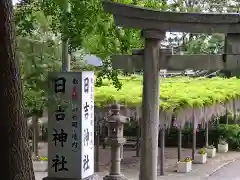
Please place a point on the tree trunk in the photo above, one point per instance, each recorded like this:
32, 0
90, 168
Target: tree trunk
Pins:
15, 153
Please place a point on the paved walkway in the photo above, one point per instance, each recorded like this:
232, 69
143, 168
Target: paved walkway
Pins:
207, 171
228, 172
227, 163
130, 160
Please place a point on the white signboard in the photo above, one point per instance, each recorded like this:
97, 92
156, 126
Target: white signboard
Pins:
87, 124
71, 125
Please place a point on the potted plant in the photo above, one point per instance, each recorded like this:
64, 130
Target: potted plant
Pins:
184, 166
40, 164
200, 157
211, 151
222, 145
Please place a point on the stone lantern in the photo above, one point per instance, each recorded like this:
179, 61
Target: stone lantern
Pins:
115, 139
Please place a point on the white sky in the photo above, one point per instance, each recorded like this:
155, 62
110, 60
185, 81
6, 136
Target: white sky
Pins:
15, 1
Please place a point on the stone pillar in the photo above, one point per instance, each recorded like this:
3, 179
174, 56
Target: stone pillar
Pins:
232, 43
232, 47
71, 117
115, 139
150, 105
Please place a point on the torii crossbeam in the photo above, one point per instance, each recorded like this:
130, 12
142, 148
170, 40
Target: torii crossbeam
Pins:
179, 62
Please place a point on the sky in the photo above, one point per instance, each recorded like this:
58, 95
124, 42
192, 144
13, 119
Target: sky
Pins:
15, 1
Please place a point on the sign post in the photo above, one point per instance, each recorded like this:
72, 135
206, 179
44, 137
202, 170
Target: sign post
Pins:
71, 126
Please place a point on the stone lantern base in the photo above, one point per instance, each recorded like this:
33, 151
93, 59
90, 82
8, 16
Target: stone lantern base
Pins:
115, 177
92, 177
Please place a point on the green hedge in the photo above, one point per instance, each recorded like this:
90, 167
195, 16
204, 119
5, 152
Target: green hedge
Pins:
230, 132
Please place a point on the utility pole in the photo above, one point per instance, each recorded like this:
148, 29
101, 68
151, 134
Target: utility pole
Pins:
65, 55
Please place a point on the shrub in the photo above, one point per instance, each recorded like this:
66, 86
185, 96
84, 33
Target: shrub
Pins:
202, 151
230, 133
187, 159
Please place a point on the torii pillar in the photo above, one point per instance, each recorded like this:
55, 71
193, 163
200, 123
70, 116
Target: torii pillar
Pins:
150, 105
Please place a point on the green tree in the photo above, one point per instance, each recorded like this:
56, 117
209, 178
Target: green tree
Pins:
90, 28
39, 52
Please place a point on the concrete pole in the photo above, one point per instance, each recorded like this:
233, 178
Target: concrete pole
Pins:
193, 136
35, 136
104, 133
97, 145
226, 116
138, 138
150, 105
206, 134
179, 142
162, 145
234, 113
65, 55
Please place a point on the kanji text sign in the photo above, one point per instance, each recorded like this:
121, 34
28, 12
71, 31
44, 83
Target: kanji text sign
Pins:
71, 125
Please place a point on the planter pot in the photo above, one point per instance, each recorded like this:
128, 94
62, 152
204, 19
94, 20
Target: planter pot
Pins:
40, 166
222, 148
200, 158
211, 152
184, 167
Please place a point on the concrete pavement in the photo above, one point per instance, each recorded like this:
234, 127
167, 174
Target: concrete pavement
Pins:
224, 166
229, 172
207, 171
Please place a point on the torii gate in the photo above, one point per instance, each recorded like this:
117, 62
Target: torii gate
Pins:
154, 24
133, 62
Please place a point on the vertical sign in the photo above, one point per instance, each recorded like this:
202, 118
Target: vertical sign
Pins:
70, 125
87, 124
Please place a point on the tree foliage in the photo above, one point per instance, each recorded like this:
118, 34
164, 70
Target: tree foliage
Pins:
93, 31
